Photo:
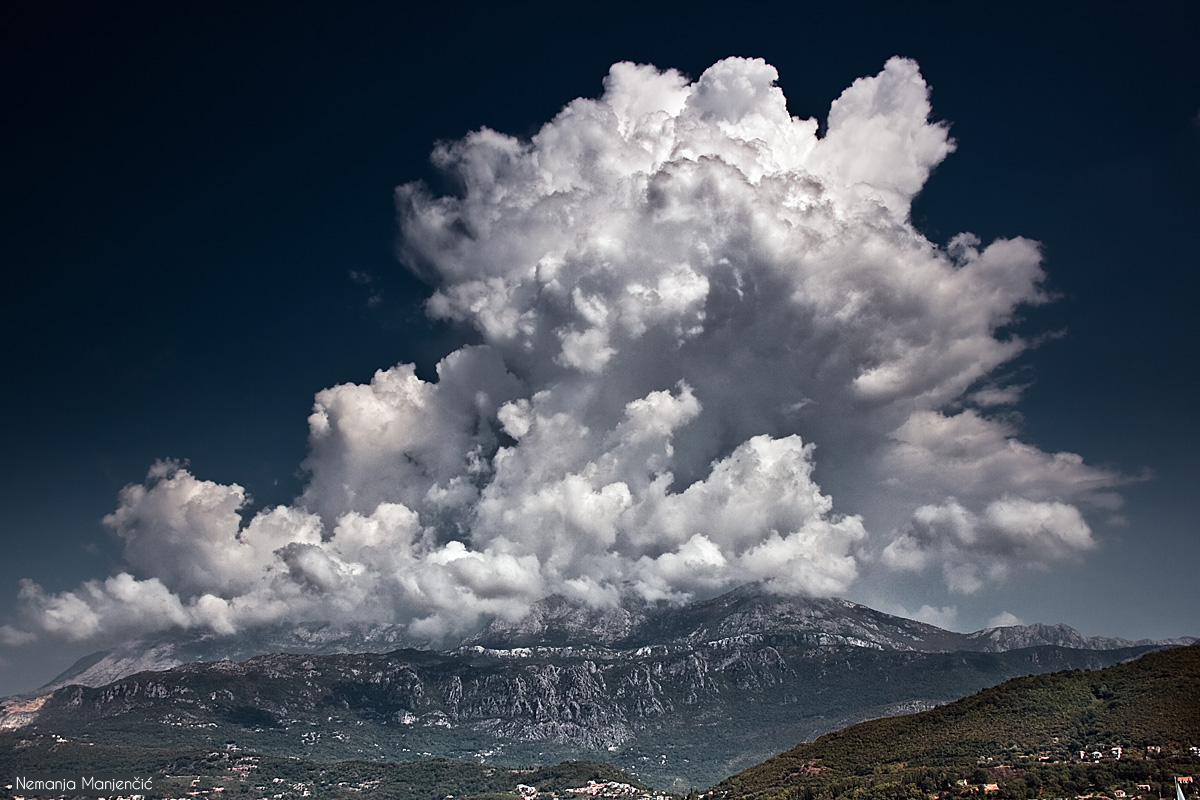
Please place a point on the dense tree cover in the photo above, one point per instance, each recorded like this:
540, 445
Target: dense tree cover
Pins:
1015, 781
1024, 735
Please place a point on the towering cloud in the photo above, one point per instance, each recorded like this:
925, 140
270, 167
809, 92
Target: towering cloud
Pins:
690, 307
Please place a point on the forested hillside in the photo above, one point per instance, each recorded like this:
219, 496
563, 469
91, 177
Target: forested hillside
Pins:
1024, 736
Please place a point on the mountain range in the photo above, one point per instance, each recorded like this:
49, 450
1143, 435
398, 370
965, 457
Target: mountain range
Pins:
678, 696
558, 623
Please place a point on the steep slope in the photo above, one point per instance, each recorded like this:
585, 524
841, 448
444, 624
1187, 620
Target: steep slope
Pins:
1027, 727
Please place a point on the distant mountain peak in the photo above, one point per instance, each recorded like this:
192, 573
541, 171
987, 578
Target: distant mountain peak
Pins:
1012, 637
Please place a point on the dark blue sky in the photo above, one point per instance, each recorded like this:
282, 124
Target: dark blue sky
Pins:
187, 191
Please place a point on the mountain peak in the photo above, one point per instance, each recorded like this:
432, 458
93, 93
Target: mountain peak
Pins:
751, 612
1012, 637
559, 621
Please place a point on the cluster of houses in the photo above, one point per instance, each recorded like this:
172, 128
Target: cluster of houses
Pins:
607, 790
1117, 752
1113, 752
1118, 794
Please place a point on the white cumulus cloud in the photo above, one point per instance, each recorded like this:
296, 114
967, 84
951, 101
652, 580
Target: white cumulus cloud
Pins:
688, 306
971, 548
1005, 619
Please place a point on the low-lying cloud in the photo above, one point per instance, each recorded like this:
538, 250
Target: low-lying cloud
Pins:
688, 306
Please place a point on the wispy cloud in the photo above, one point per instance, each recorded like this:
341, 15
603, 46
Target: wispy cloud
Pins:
1004, 619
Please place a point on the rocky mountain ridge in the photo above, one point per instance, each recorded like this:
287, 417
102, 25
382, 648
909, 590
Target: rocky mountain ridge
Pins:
747, 614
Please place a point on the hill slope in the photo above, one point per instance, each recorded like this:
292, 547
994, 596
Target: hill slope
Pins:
1029, 728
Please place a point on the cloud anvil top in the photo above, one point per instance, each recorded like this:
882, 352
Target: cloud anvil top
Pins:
690, 308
